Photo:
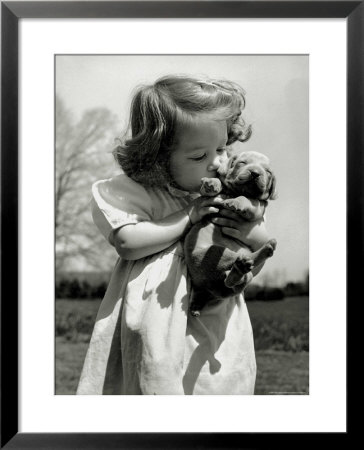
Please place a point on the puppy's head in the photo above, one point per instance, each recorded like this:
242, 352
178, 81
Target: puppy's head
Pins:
249, 174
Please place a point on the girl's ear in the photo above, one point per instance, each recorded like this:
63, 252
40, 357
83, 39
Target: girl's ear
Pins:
272, 190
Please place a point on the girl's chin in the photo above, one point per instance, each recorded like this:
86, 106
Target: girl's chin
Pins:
190, 189
195, 190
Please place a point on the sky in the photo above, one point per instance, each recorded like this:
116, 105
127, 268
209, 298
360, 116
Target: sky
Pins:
277, 95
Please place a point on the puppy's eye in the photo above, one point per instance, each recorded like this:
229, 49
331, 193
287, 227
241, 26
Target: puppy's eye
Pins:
232, 161
242, 163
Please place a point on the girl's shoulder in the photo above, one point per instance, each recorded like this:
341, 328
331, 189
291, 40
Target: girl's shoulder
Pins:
123, 193
119, 186
120, 190
118, 180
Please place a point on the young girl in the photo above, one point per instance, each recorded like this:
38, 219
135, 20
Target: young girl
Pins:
144, 340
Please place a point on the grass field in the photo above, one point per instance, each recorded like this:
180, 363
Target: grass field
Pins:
280, 333
280, 325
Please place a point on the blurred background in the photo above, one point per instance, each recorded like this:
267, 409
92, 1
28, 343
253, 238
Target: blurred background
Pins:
93, 95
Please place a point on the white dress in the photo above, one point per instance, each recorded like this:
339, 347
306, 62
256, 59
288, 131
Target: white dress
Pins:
144, 340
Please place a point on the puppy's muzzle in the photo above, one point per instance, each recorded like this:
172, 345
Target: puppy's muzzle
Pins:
254, 175
250, 174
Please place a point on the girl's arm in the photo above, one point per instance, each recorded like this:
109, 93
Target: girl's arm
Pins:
135, 241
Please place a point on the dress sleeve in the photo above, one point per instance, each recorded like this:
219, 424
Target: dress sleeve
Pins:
117, 202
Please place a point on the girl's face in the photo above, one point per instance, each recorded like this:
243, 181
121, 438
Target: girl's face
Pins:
200, 150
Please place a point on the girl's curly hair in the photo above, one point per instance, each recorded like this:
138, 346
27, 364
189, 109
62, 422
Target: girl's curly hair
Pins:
160, 110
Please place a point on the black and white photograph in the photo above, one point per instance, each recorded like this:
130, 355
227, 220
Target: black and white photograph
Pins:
181, 224
180, 199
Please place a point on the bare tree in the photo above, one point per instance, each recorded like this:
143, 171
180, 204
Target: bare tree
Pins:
83, 155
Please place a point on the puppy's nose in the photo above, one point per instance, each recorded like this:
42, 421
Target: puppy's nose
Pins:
254, 174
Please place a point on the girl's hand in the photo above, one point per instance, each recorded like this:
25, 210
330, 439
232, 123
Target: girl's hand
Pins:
202, 206
252, 234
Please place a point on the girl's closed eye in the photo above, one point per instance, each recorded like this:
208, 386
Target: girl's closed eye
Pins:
198, 158
219, 151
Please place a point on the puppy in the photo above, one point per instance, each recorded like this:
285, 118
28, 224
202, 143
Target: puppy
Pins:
220, 266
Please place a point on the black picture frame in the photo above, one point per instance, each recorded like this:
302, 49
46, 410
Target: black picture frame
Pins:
11, 12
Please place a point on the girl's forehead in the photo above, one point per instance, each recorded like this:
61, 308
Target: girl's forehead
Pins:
202, 126
202, 133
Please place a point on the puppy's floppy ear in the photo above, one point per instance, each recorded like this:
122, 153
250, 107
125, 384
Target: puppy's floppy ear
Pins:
272, 189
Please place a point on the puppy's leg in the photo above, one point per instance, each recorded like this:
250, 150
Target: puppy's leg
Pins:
266, 251
246, 262
199, 300
245, 280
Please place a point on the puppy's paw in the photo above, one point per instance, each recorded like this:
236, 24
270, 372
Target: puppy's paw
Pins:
195, 312
270, 246
210, 186
242, 266
234, 204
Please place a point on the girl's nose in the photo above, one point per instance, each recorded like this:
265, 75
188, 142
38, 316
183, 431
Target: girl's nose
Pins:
215, 164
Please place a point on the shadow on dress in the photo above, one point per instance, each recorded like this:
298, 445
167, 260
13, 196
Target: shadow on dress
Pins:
208, 344
168, 288
113, 382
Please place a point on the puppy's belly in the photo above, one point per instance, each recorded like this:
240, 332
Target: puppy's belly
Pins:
208, 235
209, 254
